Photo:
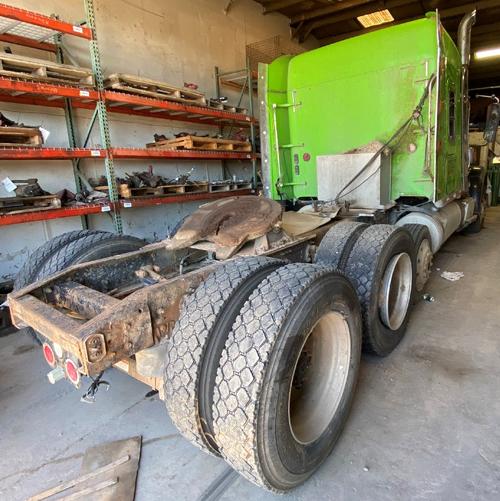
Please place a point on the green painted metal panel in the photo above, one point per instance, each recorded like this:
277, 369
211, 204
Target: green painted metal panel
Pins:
357, 91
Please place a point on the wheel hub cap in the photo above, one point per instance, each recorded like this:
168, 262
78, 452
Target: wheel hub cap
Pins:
424, 263
320, 377
395, 293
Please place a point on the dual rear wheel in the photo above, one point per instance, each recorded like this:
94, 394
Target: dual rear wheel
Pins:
262, 369
380, 262
263, 361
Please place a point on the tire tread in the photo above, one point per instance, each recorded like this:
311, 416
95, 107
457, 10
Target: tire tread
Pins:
189, 340
30, 270
336, 245
242, 369
67, 255
360, 269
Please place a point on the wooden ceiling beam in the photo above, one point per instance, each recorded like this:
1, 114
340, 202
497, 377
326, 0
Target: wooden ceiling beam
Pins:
479, 66
308, 27
337, 38
275, 6
485, 72
491, 76
493, 81
304, 29
486, 29
450, 12
331, 9
485, 42
464, 8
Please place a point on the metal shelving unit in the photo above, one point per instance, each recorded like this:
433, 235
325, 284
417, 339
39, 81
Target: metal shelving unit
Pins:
130, 153
242, 80
52, 95
26, 28
121, 205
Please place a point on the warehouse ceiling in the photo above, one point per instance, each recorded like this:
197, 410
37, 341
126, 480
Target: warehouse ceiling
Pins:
330, 21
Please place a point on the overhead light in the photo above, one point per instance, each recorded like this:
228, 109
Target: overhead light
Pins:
375, 18
487, 53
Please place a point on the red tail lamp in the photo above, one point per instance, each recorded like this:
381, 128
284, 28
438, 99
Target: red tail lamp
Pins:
49, 355
72, 371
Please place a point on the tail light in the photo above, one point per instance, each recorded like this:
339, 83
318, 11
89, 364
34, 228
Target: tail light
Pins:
49, 355
72, 371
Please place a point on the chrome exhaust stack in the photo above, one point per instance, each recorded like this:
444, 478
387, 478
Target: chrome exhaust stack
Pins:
464, 36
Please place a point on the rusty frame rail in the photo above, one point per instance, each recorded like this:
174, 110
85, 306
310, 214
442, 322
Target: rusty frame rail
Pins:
106, 329
77, 310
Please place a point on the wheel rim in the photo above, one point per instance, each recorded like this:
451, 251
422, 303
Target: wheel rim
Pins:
424, 262
396, 291
319, 378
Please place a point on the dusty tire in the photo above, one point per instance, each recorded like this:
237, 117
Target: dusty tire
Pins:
31, 270
258, 426
89, 248
197, 341
336, 245
423, 253
383, 252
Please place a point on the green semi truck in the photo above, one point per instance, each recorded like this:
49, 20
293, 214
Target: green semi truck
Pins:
399, 92
251, 319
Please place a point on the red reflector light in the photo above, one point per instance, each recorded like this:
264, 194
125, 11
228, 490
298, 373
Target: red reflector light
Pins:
72, 371
48, 353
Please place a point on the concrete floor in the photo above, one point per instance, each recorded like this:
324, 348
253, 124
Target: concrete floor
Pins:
425, 422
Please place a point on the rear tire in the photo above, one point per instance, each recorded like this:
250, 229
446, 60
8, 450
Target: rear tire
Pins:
197, 341
287, 375
89, 245
31, 270
423, 254
336, 245
382, 260
90, 248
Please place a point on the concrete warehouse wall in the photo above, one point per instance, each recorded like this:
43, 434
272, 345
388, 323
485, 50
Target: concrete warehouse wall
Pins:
175, 41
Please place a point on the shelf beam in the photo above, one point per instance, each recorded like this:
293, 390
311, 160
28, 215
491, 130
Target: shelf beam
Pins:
179, 154
47, 89
181, 198
50, 23
45, 215
49, 153
123, 204
102, 101
28, 42
19, 153
183, 110
47, 94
